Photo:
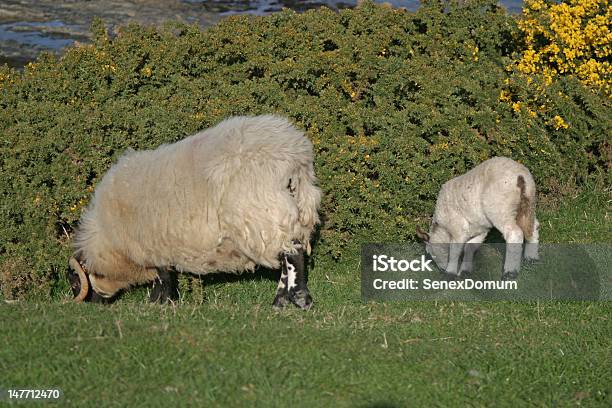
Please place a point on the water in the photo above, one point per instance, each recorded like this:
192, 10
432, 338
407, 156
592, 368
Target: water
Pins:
262, 7
28, 27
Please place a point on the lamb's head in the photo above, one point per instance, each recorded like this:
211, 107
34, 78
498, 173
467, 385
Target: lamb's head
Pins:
436, 244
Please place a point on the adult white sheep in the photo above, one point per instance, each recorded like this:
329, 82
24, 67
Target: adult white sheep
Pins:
226, 199
497, 193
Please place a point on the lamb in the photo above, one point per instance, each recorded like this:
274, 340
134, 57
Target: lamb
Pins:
237, 195
497, 193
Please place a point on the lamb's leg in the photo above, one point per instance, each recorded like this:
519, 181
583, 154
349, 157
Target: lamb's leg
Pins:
468, 253
292, 285
454, 253
531, 247
514, 249
165, 286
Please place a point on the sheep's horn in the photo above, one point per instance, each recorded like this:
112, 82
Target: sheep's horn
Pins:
422, 234
82, 278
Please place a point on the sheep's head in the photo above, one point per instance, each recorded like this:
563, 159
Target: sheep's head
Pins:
81, 286
436, 244
79, 282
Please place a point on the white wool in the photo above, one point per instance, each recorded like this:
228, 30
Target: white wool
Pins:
214, 201
488, 196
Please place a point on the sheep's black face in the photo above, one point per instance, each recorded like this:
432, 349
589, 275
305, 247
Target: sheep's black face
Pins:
95, 297
75, 282
75, 285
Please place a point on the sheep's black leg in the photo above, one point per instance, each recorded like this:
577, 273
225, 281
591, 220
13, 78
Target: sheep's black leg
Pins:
298, 290
165, 286
282, 295
292, 286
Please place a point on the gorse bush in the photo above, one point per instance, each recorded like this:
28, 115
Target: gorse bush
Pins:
395, 103
568, 38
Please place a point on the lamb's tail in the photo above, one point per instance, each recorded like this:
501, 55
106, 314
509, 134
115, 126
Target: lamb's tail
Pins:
308, 197
525, 216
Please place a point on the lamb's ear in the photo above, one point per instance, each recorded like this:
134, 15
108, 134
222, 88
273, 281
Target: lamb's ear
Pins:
422, 234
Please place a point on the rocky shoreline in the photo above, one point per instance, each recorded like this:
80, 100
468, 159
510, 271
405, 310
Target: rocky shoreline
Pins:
28, 27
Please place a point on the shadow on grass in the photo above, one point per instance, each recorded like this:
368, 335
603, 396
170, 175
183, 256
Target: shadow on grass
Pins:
198, 283
259, 274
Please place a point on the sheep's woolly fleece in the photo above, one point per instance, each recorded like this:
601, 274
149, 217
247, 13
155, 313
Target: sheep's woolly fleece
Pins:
225, 199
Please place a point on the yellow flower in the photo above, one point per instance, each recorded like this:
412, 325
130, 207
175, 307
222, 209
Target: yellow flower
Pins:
504, 96
569, 38
559, 123
147, 71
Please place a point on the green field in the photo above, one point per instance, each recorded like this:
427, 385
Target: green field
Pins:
396, 103
224, 346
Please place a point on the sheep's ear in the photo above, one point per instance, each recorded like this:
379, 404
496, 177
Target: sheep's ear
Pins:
422, 234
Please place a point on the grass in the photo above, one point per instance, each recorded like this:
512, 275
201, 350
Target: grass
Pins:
224, 346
